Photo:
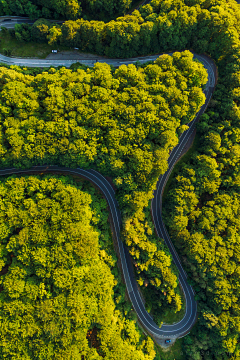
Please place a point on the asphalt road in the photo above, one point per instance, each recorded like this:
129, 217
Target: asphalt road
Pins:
166, 331
9, 24
10, 21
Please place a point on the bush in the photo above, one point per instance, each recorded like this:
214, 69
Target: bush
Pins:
7, 52
12, 32
40, 30
4, 30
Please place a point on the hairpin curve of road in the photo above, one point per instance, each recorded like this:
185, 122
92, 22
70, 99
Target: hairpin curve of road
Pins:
183, 327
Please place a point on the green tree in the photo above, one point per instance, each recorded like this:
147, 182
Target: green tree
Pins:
40, 30
57, 285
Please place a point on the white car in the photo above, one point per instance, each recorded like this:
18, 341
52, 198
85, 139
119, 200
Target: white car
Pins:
54, 51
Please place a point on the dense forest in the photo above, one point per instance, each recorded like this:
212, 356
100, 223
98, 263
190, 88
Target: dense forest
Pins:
157, 27
202, 211
204, 197
58, 275
202, 204
65, 9
121, 122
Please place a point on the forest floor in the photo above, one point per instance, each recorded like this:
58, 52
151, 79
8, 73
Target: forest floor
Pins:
41, 50
170, 317
24, 49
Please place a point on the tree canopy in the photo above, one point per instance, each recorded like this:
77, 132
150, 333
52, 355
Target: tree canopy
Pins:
65, 9
205, 26
203, 202
56, 280
202, 205
121, 122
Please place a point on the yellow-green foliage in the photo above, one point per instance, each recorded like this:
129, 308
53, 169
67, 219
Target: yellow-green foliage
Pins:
123, 123
202, 206
57, 283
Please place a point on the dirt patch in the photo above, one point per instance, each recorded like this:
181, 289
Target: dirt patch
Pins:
93, 341
5, 268
4, 271
92, 338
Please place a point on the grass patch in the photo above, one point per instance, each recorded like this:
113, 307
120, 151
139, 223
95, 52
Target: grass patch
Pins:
173, 353
23, 49
177, 168
170, 317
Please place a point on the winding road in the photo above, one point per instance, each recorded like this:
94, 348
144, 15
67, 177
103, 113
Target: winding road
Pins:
166, 331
